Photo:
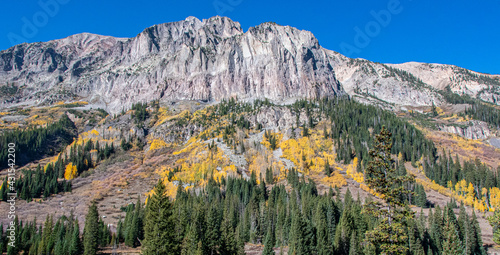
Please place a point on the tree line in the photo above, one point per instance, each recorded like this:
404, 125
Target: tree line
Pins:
58, 237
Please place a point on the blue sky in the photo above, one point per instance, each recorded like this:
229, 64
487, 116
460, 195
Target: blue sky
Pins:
463, 33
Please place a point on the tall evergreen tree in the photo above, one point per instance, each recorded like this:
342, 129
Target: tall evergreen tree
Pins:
91, 231
159, 234
269, 242
190, 242
452, 244
75, 247
390, 235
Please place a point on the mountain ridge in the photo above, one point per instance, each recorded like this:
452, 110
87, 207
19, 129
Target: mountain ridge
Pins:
210, 60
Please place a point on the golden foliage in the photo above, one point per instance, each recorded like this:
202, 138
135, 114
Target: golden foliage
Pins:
94, 132
157, 144
335, 180
278, 136
163, 115
258, 165
309, 153
70, 172
196, 165
466, 193
351, 171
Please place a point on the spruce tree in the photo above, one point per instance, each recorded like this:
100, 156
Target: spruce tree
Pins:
353, 246
229, 242
91, 231
476, 230
328, 170
390, 235
45, 243
190, 242
495, 223
134, 229
75, 243
159, 234
297, 238
421, 200
213, 233
268, 243
452, 244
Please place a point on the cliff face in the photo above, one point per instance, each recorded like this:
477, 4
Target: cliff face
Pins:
474, 129
191, 59
200, 60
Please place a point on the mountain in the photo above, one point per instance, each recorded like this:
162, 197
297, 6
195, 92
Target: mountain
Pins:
187, 60
211, 60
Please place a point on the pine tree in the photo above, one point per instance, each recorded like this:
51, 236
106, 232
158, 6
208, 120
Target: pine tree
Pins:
390, 235
213, 233
452, 244
190, 242
328, 170
353, 246
495, 223
159, 234
421, 200
434, 110
323, 246
134, 229
269, 175
76, 244
91, 231
297, 238
45, 243
229, 242
269, 243
476, 230
58, 249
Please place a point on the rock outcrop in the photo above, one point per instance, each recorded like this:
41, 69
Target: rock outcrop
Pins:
473, 129
187, 60
460, 80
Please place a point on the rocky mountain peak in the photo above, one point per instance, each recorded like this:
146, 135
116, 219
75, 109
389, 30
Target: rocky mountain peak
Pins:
223, 27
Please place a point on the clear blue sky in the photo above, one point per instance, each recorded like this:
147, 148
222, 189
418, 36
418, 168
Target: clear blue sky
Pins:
463, 33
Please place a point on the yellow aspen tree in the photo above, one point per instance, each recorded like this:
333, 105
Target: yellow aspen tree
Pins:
70, 172
471, 194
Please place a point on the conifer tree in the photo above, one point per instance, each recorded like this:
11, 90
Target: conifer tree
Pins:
328, 170
269, 243
135, 227
190, 243
390, 235
213, 233
229, 242
353, 246
476, 230
421, 200
297, 239
159, 234
495, 223
45, 243
452, 244
76, 244
91, 231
